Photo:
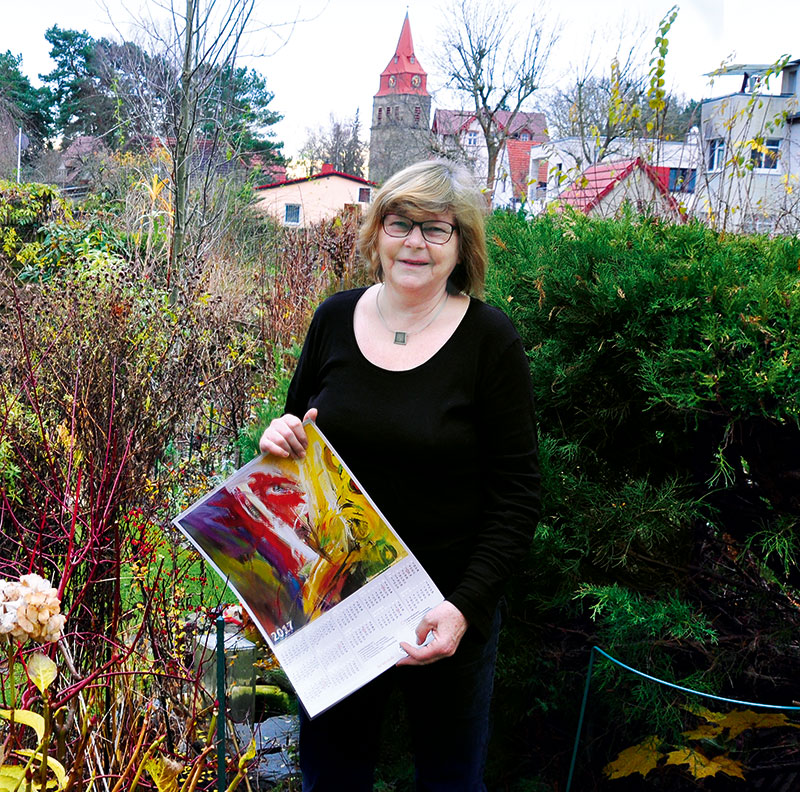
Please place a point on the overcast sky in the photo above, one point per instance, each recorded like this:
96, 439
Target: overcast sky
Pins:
335, 54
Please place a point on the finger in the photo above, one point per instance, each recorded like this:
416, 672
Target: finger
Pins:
423, 628
420, 655
285, 436
311, 415
267, 446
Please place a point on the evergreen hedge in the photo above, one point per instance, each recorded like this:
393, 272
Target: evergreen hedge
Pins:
666, 368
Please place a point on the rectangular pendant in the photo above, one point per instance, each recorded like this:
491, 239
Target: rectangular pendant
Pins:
399, 337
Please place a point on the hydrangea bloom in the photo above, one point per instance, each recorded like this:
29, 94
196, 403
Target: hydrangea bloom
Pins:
30, 608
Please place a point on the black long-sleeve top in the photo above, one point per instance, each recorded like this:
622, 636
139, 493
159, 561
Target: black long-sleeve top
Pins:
447, 450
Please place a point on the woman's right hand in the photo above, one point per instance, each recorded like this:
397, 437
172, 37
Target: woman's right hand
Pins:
286, 436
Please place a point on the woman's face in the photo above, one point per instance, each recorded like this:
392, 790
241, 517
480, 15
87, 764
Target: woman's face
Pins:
413, 264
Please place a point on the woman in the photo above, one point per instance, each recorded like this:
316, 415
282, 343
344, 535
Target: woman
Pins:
425, 392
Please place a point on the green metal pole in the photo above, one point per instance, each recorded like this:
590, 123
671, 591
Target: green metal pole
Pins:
580, 720
221, 705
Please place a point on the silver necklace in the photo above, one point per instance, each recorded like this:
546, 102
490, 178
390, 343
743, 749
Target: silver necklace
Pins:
401, 336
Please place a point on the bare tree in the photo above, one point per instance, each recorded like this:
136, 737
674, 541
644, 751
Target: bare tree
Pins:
339, 144
598, 108
496, 60
202, 109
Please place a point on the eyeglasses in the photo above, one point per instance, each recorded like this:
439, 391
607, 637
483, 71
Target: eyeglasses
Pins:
437, 232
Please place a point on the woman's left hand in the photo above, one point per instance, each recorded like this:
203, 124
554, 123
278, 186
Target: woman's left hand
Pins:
447, 625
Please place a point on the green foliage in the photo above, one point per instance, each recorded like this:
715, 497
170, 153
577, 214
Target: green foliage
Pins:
24, 210
666, 368
237, 105
81, 106
41, 236
28, 106
272, 405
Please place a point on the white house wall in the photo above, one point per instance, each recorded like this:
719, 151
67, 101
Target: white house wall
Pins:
318, 199
566, 161
737, 196
638, 190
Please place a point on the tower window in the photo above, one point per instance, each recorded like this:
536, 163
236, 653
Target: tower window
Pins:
380, 116
388, 114
397, 114
411, 59
417, 115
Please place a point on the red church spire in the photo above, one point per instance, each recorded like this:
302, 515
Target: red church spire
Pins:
404, 75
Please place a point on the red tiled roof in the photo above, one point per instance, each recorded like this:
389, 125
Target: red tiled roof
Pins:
327, 170
597, 181
404, 75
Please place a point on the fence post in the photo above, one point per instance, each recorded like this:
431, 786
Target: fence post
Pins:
221, 705
580, 720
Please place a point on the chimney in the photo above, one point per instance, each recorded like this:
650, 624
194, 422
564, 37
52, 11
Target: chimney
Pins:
327, 168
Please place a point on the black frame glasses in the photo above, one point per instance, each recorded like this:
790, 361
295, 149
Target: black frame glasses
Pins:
437, 232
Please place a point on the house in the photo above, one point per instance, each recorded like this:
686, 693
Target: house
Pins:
515, 176
301, 202
458, 134
751, 146
556, 164
79, 166
603, 189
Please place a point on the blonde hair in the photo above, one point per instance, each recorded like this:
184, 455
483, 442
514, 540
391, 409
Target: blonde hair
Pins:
434, 187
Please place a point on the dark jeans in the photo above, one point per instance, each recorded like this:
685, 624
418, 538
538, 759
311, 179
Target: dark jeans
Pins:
448, 710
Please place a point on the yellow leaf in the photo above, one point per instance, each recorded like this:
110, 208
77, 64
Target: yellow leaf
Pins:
705, 714
701, 766
42, 671
740, 721
27, 718
706, 731
249, 755
52, 764
641, 758
164, 773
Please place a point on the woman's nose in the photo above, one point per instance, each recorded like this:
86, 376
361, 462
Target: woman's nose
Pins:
415, 238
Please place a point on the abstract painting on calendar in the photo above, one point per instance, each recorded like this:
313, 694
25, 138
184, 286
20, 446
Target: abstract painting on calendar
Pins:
292, 538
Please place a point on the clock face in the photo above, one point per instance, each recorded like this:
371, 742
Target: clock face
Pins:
415, 81
392, 81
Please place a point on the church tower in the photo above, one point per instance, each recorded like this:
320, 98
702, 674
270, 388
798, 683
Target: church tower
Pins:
401, 113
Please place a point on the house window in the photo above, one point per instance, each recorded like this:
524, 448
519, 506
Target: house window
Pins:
472, 138
716, 154
291, 214
682, 179
363, 194
765, 155
524, 136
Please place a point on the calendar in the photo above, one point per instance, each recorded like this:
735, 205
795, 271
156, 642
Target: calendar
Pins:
328, 582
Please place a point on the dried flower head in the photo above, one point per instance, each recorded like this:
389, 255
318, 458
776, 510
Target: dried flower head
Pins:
30, 608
